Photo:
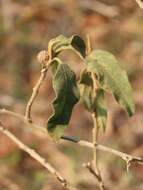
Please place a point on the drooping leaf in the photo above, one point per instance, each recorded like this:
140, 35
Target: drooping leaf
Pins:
54, 64
62, 43
65, 87
86, 90
93, 103
112, 78
100, 109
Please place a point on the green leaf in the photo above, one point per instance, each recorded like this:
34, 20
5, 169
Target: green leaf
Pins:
100, 109
54, 65
86, 90
112, 78
61, 43
65, 87
93, 103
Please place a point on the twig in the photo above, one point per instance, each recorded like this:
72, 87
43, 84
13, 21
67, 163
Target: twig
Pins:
44, 59
89, 45
97, 176
89, 167
96, 170
35, 155
95, 131
124, 156
24, 120
140, 3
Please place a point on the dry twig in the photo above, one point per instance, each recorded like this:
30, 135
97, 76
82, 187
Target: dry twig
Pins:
36, 156
126, 157
44, 59
97, 176
95, 131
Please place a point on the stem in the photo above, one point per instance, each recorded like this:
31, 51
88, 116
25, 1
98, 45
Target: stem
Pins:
126, 157
44, 59
95, 131
96, 170
33, 154
97, 176
34, 94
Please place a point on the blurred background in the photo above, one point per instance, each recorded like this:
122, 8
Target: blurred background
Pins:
26, 26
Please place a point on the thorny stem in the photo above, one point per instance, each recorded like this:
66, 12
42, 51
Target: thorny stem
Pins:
35, 155
95, 131
126, 157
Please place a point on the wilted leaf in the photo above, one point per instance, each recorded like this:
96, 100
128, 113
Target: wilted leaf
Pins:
86, 90
93, 103
62, 43
100, 109
65, 87
111, 77
54, 64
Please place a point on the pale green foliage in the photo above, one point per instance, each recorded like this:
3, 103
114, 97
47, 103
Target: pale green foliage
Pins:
101, 109
109, 77
93, 103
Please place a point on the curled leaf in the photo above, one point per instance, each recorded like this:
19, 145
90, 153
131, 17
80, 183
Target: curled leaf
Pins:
61, 43
93, 103
100, 109
65, 87
86, 90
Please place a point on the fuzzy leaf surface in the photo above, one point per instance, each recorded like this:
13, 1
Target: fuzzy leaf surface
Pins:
86, 90
101, 109
112, 78
93, 103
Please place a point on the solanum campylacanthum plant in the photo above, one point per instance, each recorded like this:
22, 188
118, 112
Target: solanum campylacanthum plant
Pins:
101, 72
100, 67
